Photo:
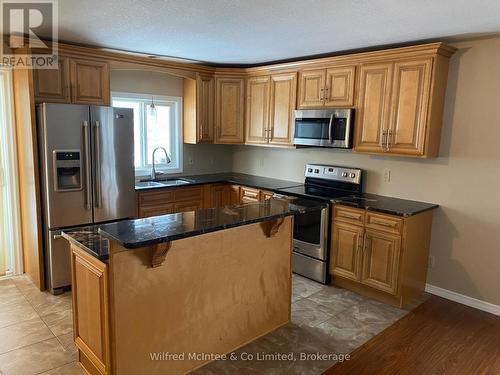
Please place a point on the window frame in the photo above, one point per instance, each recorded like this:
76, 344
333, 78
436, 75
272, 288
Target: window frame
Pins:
176, 103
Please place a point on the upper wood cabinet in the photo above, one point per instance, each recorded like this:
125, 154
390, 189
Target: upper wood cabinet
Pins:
77, 81
90, 82
229, 109
270, 104
400, 107
330, 87
198, 108
257, 110
53, 85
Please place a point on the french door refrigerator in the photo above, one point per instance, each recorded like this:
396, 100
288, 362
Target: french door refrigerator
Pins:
87, 175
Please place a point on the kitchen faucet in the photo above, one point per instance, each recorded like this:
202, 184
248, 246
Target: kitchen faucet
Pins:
153, 170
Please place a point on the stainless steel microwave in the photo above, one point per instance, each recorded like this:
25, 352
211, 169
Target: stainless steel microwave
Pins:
324, 127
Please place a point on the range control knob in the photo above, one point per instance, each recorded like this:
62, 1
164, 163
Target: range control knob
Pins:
316, 171
352, 175
309, 170
344, 174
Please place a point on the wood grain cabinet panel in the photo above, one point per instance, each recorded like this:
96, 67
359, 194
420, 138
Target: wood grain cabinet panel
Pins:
230, 109
373, 108
90, 308
199, 109
311, 88
282, 105
347, 240
340, 86
410, 97
90, 82
257, 109
381, 255
53, 85
248, 194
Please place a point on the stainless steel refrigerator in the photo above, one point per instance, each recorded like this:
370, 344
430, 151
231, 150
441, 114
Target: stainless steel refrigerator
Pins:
87, 175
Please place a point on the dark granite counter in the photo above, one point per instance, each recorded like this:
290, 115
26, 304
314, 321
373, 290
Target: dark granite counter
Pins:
258, 182
154, 230
388, 205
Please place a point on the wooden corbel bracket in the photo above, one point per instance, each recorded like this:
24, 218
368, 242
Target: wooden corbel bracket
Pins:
159, 253
271, 227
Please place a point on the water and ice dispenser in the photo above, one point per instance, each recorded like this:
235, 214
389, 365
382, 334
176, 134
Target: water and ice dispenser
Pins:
68, 174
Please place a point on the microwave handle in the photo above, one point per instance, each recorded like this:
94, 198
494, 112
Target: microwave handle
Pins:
330, 125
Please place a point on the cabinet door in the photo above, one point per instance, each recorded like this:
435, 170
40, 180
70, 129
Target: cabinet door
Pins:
347, 241
249, 195
205, 104
266, 195
229, 110
53, 85
381, 256
311, 88
410, 98
340, 86
90, 308
90, 82
157, 210
282, 105
234, 194
372, 116
257, 110
188, 206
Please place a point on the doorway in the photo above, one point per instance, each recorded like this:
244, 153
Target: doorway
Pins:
10, 238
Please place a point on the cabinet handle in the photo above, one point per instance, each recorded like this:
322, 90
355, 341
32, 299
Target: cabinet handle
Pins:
327, 92
347, 216
321, 95
388, 139
382, 139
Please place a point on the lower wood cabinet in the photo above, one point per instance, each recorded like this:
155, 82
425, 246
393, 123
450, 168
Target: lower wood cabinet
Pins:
168, 201
90, 310
382, 256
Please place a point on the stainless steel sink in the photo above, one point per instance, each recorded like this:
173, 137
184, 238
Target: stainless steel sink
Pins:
177, 181
147, 184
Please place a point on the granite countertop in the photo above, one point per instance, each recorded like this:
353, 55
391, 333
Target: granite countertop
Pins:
265, 183
154, 230
389, 205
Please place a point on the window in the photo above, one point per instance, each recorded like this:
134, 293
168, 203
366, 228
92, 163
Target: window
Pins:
163, 130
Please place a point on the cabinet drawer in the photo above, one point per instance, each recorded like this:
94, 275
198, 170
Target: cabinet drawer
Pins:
250, 194
349, 215
385, 223
188, 206
188, 194
155, 197
156, 210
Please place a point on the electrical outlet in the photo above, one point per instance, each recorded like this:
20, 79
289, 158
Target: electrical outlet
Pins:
432, 261
387, 175
191, 161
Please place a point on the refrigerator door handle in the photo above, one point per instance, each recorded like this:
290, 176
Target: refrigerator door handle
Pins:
97, 165
88, 180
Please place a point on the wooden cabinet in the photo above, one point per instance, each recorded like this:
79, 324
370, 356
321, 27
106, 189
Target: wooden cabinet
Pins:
229, 109
224, 195
77, 81
270, 104
330, 87
347, 240
248, 195
198, 108
379, 255
91, 310
53, 85
394, 114
257, 110
168, 201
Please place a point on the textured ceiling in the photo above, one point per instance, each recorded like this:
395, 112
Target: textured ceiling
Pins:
256, 31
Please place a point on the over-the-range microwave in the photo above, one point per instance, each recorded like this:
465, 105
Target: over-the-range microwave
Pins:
324, 127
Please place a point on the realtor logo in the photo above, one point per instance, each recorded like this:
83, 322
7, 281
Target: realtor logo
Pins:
24, 26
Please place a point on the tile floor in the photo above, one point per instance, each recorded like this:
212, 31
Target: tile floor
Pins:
36, 331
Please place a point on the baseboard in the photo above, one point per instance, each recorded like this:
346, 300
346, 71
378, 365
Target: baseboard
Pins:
464, 300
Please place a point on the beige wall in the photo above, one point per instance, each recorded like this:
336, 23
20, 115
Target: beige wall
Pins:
464, 180
197, 159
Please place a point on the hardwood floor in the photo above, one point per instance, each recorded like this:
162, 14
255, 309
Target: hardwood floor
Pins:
438, 337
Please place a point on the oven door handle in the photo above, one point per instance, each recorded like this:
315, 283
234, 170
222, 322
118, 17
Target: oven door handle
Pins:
330, 128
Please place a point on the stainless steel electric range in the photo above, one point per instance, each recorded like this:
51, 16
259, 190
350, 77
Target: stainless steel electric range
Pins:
312, 229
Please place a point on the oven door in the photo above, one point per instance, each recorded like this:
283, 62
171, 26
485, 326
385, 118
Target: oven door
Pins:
310, 235
323, 128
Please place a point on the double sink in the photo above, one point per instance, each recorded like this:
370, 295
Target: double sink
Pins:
160, 183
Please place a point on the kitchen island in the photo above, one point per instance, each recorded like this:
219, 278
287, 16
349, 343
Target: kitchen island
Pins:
168, 294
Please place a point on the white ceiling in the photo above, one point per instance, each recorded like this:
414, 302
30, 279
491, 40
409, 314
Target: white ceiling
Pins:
256, 31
